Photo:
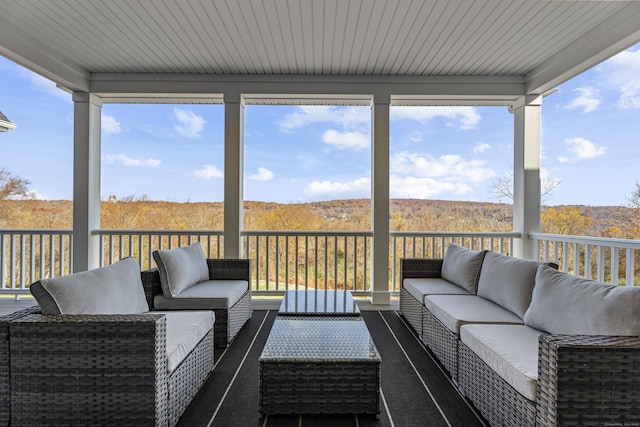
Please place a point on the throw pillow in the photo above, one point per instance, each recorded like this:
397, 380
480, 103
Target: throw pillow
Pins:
566, 304
181, 268
113, 289
461, 266
508, 281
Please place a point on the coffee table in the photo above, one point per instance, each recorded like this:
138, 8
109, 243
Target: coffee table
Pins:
318, 303
319, 365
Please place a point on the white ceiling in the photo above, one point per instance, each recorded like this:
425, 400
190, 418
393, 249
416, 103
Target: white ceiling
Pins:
86, 45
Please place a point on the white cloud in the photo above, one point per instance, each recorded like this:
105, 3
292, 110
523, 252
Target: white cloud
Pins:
130, 161
421, 175
481, 148
35, 194
344, 140
623, 71
44, 85
581, 149
422, 188
189, 125
448, 167
360, 187
416, 137
467, 117
263, 174
110, 125
588, 100
348, 117
208, 172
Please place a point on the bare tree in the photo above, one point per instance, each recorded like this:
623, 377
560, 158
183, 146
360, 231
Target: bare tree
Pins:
13, 187
503, 187
634, 198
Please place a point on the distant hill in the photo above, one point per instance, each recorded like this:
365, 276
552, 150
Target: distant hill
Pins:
350, 214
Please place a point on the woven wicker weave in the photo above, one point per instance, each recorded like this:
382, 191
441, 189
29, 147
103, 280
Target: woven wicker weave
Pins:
420, 267
588, 381
100, 370
228, 322
497, 401
5, 383
442, 342
411, 308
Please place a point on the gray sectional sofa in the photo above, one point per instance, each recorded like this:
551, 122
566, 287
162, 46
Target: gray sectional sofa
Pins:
94, 353
528, 345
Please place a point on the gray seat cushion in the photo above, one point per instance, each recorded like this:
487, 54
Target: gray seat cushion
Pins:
181, 268
566, 304
113, 289
419, 288
185, 329
462, 266
453, 311
207, 295
510, 350
508, 281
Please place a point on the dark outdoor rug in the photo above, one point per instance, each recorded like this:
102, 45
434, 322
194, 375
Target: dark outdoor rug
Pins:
415, 392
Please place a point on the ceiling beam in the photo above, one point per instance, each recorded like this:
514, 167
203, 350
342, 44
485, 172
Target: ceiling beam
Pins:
475, 90
612, 36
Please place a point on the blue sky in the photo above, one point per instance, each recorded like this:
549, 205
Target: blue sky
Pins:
590, 143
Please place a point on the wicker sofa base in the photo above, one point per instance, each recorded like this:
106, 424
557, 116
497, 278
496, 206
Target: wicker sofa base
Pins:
411, 309
100, 370
185, 382
229, 322
320, 388
442, 342
496, 400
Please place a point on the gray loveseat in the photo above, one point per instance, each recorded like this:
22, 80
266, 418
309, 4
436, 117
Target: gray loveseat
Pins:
96, 355
527, 344
185, 280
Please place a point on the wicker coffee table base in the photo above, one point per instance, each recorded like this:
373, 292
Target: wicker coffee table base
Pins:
320, 388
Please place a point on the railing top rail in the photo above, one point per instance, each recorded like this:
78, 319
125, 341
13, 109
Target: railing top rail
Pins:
305, 233
35, 231
602, 241
156, 232
509, 234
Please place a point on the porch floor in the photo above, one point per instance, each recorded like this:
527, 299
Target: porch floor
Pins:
414, 389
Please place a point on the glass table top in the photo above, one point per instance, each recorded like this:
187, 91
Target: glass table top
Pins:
331, 339
314, 302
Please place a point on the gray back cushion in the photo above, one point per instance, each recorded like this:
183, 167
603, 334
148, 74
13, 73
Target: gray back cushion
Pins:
181, 268
461, 266
508, 281
114, 289
566, 304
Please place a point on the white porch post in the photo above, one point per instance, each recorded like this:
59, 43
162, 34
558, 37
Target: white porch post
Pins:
233, 174
526, 175
380, 199
86, 180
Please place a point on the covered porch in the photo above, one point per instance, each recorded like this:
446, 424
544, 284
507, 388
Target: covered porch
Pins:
433, 53
377, 54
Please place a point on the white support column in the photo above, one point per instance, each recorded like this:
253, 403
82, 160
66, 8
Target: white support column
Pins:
526, 175
380, 199
233, 174
86, 180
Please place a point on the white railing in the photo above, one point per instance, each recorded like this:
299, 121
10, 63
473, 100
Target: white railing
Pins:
140, 244
615, 261
282, 260
33, 254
